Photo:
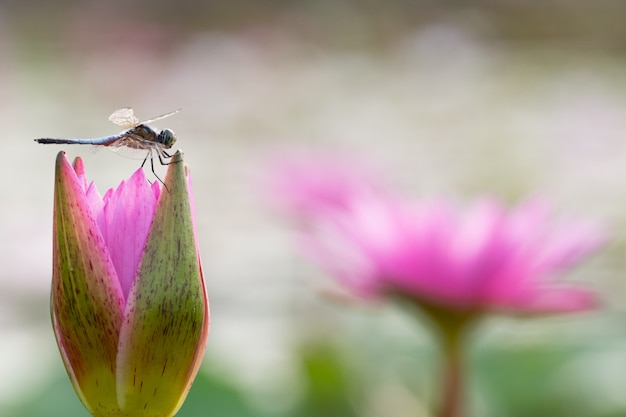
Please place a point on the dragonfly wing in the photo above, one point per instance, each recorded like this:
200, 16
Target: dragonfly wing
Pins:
163, 116
131, 147
130, 153
124, 117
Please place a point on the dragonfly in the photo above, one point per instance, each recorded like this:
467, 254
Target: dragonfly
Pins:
138, 135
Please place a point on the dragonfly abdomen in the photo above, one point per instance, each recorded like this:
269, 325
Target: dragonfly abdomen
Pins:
106, 141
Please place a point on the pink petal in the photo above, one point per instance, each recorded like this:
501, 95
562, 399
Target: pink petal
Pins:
487, 257
547, 300
128, 213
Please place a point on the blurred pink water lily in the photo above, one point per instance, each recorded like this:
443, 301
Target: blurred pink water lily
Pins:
129, 305
484, 258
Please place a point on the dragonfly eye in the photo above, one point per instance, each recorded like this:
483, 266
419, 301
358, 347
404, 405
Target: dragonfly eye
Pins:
167, 138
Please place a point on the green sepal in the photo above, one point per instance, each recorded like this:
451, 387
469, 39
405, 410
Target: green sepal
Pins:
86, 300
164, 333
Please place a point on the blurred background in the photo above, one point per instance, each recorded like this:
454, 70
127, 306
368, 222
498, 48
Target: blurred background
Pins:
451, 98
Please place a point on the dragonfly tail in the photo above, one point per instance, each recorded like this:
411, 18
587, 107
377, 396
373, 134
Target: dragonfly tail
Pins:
62, 141
105, 141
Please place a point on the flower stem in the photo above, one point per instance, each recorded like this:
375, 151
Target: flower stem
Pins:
452, 382
452, 327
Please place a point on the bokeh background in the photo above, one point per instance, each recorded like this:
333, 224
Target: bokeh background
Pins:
452, 98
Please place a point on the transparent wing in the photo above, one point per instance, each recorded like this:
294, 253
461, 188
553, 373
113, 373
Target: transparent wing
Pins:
130, 153
124, 117
130, 147
154, 119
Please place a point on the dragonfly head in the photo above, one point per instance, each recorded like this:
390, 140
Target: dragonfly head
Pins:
166, 138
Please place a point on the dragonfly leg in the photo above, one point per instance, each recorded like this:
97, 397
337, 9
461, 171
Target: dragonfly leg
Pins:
146, 158
162, 154
149, 155
154, 172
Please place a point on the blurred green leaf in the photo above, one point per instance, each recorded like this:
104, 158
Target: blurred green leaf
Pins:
328, 387
213, 396
520, 382
57, 398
